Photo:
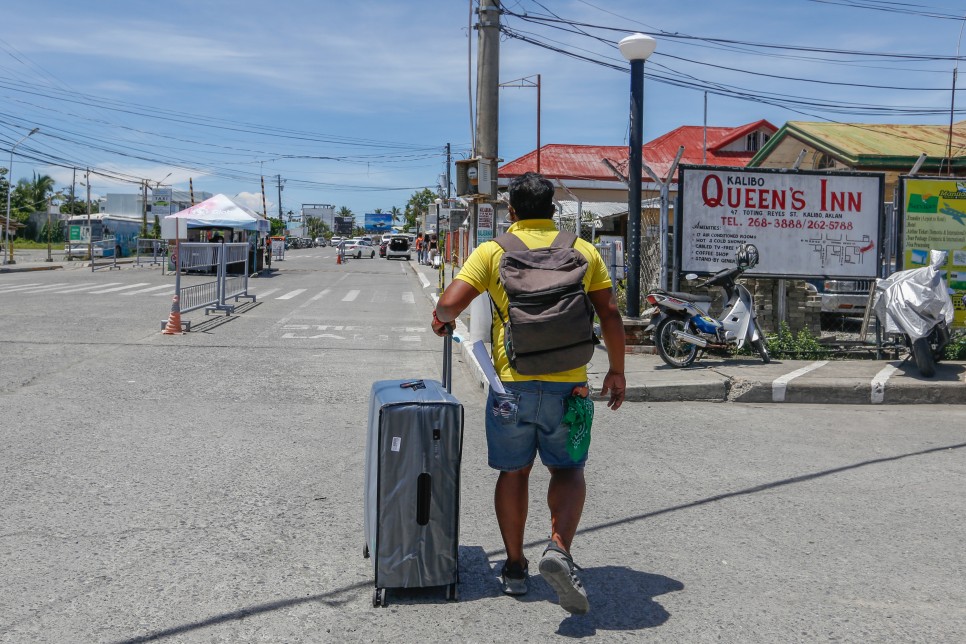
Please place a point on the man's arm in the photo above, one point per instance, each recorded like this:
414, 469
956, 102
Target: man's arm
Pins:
452, 302
612, 328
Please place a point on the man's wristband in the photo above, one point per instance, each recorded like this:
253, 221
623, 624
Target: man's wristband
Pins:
437, 320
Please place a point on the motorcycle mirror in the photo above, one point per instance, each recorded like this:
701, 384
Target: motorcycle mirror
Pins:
691, 277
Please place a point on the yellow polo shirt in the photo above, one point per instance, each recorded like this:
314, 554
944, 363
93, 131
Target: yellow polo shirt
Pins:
482, 272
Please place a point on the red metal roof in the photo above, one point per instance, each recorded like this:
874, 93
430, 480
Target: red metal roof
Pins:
563, 161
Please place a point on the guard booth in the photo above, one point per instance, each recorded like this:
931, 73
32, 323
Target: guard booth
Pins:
220, 219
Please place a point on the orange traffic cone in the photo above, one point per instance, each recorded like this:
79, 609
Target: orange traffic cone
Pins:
338, 258
173, 327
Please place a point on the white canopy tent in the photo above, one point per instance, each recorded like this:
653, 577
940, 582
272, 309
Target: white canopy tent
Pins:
218, 212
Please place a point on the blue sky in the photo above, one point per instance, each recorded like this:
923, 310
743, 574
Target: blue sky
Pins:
352, 103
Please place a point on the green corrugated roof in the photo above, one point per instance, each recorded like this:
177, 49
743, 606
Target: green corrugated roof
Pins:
865, 144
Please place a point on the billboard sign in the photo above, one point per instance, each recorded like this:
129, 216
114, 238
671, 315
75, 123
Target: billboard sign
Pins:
378, 222
934, 218
343, 225
805, 224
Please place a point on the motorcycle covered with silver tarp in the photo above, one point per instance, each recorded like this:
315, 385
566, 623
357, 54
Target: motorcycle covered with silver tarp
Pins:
915, 303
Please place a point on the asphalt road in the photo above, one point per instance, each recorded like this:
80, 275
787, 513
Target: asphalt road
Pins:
208, 487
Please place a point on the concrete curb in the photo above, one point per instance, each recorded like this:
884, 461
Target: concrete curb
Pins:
747, 380
27, 269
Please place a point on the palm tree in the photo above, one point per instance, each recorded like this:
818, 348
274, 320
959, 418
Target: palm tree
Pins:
396, 214
31, 196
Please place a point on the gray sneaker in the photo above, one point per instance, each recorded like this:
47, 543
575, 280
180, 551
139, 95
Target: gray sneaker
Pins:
560, 571
516, 582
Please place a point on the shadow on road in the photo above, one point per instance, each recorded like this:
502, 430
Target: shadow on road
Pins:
622, 599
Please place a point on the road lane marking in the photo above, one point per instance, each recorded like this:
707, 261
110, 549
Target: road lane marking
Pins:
319, 296
779, 385
170, 287
266, 293
423, 280
271, 331
118, 288
879, 383
291, 294
351, 296
85, 288
8, 289
49, 287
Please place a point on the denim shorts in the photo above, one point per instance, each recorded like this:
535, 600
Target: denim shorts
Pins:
526, 420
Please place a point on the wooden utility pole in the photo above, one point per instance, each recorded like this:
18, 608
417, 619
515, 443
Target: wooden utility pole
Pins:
487, 138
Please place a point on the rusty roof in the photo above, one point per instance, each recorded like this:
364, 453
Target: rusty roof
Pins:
586, 162
872, 144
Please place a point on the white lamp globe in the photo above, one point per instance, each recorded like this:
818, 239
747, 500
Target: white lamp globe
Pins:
637, 47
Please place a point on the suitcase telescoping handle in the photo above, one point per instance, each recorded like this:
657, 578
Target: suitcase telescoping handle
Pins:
447, 379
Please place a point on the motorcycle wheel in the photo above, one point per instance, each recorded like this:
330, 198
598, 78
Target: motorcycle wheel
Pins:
922, 353
673, 351
760, 345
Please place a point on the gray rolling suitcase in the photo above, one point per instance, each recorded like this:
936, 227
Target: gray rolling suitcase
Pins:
413, 453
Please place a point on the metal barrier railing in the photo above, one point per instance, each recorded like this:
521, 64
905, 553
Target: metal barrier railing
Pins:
151, 252
197, 296
99, 249
210, 295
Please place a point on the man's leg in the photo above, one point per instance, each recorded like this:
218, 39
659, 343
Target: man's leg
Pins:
565, 497
511, 500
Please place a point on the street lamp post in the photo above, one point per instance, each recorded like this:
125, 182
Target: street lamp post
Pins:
10, 190
636, 49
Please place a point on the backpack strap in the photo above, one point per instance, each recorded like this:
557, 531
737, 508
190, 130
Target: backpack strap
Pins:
564, 239
510, 242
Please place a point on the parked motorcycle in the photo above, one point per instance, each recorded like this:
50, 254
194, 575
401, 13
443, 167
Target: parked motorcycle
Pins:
915, 304
682, 324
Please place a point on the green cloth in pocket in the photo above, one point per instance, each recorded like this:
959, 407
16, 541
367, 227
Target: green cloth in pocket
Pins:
580, 416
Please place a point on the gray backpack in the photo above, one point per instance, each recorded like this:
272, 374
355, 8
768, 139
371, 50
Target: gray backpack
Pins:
549, 326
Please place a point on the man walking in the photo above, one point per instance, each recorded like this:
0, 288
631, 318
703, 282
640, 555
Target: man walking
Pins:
530, 418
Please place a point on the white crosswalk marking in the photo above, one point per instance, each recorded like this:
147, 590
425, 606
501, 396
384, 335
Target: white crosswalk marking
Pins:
170, 288
10, 289
118, 288
49, 287
351, 296
84, 288
266, 293
290, 295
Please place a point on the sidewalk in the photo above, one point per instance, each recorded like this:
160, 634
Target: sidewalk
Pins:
748, 380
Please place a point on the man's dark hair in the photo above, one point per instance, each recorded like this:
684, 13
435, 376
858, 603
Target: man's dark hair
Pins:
531, 196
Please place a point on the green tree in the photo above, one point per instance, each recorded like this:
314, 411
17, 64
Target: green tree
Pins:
4, 186
73, 206
278, 227
31, 196
396, 214
418, 205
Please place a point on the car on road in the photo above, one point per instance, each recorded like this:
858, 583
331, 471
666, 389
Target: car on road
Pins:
359, 248
320, 242
382, 246
399, 248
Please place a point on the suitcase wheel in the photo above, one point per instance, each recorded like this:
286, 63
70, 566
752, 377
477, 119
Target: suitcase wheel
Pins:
379, 598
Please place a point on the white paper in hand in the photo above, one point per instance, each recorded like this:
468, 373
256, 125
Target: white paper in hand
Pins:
486, 364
